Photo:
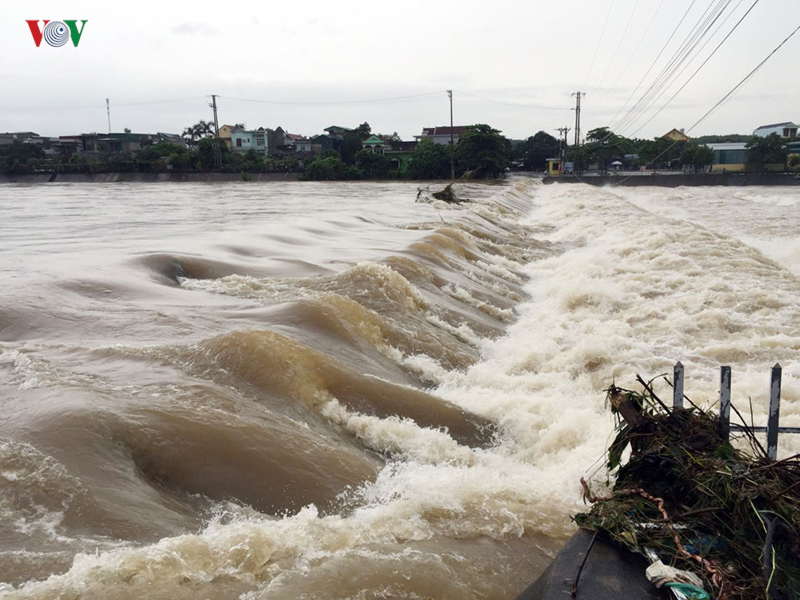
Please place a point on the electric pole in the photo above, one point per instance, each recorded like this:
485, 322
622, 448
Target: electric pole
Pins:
217, 152
452, 145
563, 131
578, 96
108, 110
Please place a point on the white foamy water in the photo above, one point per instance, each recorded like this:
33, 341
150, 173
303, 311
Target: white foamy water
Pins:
356, 372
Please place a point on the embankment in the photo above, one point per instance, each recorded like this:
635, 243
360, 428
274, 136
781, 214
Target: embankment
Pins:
145, 177
688, 179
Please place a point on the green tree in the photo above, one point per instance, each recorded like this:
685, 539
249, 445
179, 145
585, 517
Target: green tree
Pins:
330, 168
794, 161
430, 161
537, 149
20, 158
697, 156
205, 153
363, 131
603, 147
198, 131
482, 150
765, 151
373, 165
330, 153
155, 157
252, 162
659, 153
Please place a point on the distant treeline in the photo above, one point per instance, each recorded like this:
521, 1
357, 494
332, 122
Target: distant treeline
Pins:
481, 150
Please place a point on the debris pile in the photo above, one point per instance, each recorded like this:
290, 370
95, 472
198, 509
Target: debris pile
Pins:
689, 498
448, 195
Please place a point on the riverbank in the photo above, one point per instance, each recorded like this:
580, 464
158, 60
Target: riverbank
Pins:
146, 177
681, 180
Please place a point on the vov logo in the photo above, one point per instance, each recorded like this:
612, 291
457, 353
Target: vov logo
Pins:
56, 33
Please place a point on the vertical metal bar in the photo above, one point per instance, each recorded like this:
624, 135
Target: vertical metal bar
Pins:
725, 401
677, 385
774, 412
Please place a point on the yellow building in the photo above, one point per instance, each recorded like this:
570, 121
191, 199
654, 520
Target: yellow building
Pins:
676, 135
553, 167
225, 134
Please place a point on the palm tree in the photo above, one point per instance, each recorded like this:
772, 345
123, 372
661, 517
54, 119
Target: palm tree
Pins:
198, 131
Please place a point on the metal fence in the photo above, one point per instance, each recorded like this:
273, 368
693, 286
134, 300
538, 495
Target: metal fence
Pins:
772, 427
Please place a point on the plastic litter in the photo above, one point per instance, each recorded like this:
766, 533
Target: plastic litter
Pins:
659, 574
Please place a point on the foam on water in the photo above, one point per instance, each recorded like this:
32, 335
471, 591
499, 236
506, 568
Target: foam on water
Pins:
638, 281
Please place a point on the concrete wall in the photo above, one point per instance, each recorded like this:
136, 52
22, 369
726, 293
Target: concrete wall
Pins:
146, 178
725, 179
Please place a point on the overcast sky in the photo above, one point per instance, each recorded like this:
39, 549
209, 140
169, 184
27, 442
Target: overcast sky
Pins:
512, 64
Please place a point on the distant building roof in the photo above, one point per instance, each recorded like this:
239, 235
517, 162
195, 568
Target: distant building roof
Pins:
443, 130
786, 124
676, 135
728, 146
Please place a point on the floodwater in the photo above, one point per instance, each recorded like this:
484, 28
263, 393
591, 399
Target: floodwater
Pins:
328, 390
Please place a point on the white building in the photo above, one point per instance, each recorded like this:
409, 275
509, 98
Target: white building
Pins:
784, 130
243, 140
441, 135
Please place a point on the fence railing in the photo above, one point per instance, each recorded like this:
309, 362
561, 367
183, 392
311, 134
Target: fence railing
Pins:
772, 427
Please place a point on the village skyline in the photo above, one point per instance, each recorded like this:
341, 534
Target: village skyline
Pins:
516, 66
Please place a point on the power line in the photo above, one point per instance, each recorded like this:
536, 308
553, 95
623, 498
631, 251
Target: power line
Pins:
747, 78
599, 42
619, 45
99, 106
669, 72
336, 103
519, 105
725, 98
653, 64
739, 22
630, 59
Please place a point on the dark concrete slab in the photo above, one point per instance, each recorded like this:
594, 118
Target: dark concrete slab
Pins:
610, 573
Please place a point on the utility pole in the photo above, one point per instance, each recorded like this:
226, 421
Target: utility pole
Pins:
108, 110
578, 96
217, 153
452, 145
563, 131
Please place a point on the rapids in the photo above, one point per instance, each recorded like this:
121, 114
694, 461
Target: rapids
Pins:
327, 390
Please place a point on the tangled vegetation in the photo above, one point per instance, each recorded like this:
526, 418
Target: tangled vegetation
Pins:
731, 517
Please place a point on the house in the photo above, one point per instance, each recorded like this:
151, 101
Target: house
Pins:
335, 131
225, 134
283, 143
442, 135
23, 136
171, 138
399, 154
374, 144
306, 147
729, 156
676, 135
243, 140
327, 142
784, 130
125, 143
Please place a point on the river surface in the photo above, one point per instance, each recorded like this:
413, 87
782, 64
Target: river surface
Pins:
329, 390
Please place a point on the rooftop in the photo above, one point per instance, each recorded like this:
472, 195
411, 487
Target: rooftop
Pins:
443, 130
786, 124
